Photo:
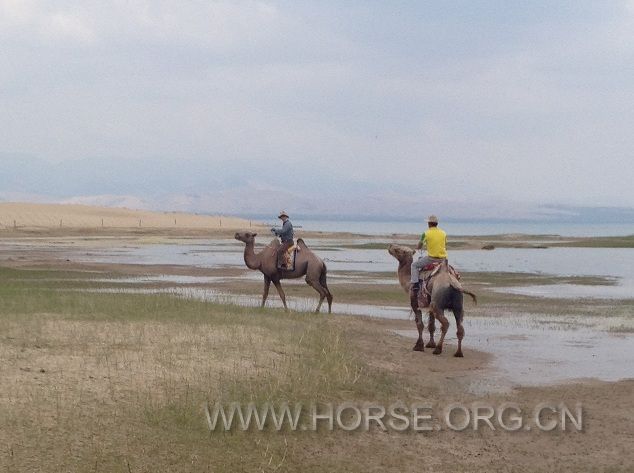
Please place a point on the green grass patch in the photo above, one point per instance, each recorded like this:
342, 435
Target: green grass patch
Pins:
120, 380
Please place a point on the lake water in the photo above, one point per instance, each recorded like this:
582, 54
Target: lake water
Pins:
614, 263
461, 229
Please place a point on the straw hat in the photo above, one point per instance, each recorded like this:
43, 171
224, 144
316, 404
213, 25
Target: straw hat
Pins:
432, 219
282, 214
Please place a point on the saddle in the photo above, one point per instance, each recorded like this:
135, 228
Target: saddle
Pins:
290, 257
431, 269
427, 274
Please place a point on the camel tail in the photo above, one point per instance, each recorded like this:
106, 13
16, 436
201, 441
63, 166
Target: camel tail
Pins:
473, 296
323, 278
324, 283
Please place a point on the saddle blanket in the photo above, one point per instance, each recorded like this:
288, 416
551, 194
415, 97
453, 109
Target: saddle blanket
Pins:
431, 269
427, 274
290, 255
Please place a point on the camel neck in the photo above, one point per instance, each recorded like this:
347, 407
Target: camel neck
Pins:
250, 258
405, 263
403, 272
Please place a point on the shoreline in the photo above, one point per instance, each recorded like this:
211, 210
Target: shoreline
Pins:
457, 243
83, 262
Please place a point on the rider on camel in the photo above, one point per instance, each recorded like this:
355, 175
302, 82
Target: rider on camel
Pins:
435, 240
286, 237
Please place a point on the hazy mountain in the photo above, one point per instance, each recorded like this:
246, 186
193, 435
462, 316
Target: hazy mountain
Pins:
258, 188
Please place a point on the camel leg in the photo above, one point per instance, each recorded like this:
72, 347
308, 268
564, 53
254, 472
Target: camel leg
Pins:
420, 344
431, 327
280, 291
418, 317
444, 326
322, 292
328, 297
265, 294
324, 283
459, 332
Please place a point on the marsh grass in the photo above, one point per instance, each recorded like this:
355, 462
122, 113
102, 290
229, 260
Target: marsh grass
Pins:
621, 329
117, 382
600, 242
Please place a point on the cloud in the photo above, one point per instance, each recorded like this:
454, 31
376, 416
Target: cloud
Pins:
43, 23
68, 26
533, 101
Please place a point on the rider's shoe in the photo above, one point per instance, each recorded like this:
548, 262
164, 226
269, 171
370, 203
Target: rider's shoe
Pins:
415, 287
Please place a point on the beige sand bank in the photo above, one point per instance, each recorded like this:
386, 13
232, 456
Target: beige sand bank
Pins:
29, 215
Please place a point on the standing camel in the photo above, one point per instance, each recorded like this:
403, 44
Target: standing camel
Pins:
446, 293
307, 264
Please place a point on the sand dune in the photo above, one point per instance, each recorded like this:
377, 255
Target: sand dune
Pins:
29, 215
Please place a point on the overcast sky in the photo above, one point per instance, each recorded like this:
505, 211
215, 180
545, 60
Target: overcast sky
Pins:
527, 102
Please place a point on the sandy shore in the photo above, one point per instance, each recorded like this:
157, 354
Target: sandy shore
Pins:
19, 220
22, 216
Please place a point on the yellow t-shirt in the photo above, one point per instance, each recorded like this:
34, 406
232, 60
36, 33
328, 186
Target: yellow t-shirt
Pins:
436, 241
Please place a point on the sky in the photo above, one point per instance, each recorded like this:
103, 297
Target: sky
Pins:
464, 108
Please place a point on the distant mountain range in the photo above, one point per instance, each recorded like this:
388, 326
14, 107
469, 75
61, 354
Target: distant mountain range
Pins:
551, 213
256, 191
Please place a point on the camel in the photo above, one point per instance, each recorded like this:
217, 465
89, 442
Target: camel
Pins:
446, 293
307, 264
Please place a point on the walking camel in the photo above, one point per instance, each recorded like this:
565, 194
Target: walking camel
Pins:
446, 293
307, 264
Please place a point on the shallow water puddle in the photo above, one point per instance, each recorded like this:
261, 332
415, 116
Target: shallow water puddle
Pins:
624, 290
299, 304
530, 351
177, 279
250, 276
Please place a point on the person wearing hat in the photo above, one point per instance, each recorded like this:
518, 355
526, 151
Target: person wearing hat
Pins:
286, 236
435, 240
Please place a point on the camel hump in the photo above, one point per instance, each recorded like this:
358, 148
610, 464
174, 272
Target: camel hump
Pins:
455, 283
301, 243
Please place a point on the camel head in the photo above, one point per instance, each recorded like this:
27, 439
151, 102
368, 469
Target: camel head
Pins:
246, 237
401, 253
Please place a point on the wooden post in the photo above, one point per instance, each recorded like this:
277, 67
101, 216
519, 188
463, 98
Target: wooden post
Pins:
174, 222
102, 223
220, 222
139, 222
15, 225
250, 224
60, 223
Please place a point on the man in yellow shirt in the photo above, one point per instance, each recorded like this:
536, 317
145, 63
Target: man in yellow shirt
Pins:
435, 240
